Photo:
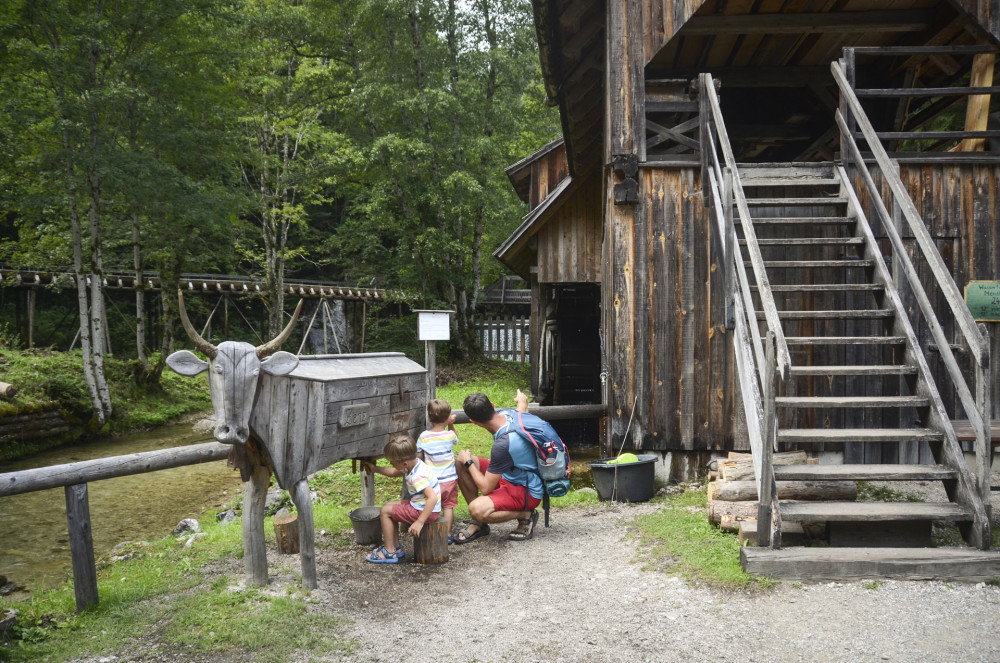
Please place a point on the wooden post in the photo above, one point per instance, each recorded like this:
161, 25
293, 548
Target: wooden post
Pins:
307, 537
32, 294
765, 481
431, 547
430, 349
977, 110
254, 498
367, 486
81, 546
984, 441
286, 533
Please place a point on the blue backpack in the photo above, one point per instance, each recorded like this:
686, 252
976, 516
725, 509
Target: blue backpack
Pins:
551, 455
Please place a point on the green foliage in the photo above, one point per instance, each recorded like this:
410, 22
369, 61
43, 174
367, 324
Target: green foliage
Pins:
681, 540
873, 584
44, 377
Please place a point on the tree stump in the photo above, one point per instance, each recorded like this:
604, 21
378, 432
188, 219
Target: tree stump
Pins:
431, 547
286, 532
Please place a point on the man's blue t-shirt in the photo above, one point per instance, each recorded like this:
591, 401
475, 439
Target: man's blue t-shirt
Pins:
513, 456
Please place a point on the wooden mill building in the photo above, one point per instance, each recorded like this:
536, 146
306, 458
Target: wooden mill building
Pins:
818, 178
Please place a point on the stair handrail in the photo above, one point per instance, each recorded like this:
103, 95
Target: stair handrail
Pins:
977, 407
756, 364
783, 358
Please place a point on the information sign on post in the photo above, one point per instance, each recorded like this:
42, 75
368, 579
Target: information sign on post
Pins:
983, 300
432, 326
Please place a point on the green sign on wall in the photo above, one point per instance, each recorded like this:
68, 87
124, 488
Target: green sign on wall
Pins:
983, 300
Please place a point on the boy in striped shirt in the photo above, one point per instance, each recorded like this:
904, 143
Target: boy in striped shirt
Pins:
423, 506
436, 448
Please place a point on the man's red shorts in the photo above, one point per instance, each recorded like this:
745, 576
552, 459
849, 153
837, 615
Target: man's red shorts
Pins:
508, 496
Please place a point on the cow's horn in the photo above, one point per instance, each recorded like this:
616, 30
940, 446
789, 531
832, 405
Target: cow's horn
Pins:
199, 343
272, 346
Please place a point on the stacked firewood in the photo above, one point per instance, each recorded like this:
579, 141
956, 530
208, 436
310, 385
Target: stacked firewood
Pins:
732, 491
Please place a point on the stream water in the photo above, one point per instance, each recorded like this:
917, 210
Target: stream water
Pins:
34, 544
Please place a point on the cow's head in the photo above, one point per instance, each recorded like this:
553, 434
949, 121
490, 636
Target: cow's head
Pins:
233, 368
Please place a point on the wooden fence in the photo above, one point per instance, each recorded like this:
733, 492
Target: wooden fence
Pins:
504, 337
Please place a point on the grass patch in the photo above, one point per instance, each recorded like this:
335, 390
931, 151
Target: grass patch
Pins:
871, 493
681, 539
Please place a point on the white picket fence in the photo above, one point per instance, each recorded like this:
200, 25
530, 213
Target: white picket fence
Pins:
504, 338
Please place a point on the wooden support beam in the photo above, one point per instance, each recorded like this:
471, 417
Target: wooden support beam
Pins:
806, 23
978, 109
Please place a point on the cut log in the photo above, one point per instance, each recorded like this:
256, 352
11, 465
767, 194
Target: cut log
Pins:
431, 547
286, 533
7, 390
741, 491
741, 469
730, 523
719, 508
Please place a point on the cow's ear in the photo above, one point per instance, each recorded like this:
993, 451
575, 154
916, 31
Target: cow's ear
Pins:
186, 363
280, 363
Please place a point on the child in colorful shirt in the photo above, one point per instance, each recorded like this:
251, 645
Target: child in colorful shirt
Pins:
424, 504
436, 447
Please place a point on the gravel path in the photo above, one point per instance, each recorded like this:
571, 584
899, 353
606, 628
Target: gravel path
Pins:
582, 591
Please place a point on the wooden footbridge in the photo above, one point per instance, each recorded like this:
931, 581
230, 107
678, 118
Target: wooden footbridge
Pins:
32, 277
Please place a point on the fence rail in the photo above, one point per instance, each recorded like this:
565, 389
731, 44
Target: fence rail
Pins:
504, 338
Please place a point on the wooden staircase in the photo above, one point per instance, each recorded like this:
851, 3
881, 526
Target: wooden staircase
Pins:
857, 377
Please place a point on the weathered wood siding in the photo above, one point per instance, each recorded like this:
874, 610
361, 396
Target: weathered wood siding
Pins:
546, 174
662, 20
986, 13
669, 351
569, 245
960, 204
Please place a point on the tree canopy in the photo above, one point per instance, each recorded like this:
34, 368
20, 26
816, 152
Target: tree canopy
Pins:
361, 141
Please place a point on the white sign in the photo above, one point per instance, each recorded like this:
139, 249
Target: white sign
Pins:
434, 325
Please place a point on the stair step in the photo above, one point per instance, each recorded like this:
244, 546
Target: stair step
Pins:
851, 401
854, 314
750, 180
802, 264
887, 369
809, 241
827, 287
845, 340
801, 220
826, 564
829, 435
863, 473
792, 202
872, 511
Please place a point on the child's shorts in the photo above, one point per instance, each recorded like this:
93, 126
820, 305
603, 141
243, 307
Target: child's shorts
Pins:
449, 494
403, 512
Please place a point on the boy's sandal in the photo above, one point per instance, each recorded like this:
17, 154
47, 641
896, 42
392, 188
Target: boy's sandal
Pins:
465, 537
382, 556
525, 528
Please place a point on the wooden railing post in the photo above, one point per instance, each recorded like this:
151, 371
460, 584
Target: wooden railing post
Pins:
81, 546
765, 481
984, 440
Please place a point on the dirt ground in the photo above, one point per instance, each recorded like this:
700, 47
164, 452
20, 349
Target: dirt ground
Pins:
585, 590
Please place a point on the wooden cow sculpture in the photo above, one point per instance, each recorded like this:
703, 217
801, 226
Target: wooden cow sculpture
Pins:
297, 415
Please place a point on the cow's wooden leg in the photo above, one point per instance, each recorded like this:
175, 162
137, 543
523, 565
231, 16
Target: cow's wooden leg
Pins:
307, 539
254, 497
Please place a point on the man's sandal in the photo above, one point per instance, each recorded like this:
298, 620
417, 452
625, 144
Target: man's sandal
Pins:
465, 536
525, 528
382, 556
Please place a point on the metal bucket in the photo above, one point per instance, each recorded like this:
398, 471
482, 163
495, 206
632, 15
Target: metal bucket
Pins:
367, 528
